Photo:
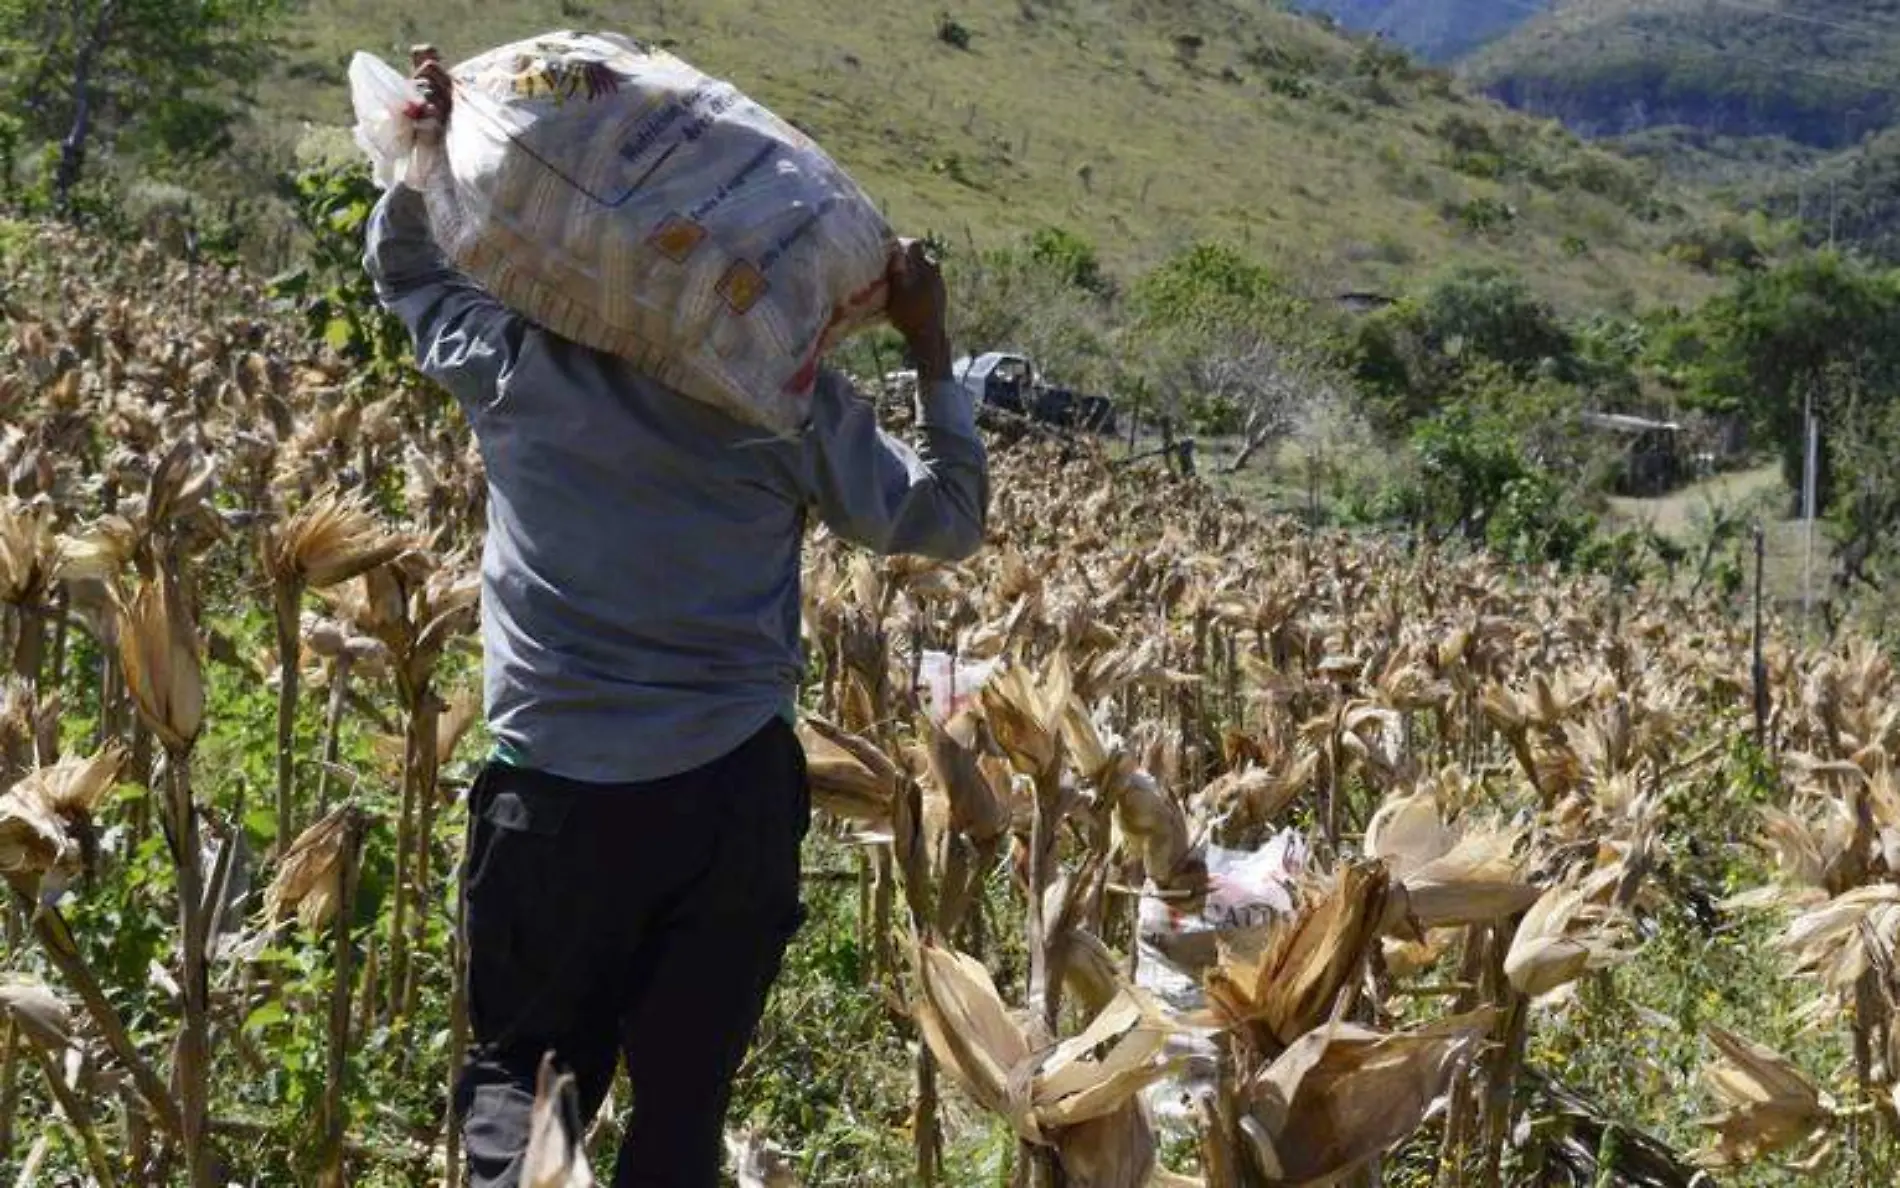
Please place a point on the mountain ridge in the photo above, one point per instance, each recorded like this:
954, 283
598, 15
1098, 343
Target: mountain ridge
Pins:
1812, 72
1439, 31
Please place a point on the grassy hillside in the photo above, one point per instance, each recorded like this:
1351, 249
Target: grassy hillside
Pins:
1815, 71
1437, 30
1139, 124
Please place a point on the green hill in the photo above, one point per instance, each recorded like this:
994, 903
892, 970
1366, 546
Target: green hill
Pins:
1817, 72
1138, 124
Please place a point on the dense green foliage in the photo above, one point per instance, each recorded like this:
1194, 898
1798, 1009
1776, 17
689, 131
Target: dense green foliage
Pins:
1848, 199
1811, 72
331, 291
1805, 332
1411, 355
161, 79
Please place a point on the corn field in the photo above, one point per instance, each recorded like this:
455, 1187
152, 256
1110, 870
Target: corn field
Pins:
238, 601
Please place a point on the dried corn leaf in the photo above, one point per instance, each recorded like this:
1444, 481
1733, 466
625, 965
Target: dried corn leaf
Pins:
967, 1027
1116, 1150
1342, 1095
1767, 1104
851, 778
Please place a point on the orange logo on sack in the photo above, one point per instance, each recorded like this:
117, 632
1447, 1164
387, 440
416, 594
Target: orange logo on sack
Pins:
676, 238
742, 286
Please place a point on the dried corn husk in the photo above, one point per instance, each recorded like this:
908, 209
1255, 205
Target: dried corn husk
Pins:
158, 649
977, 810
309, 879
464, 707
1096, 1073
1832, 940
1026, 716
1042, 1094
1480, 880
1113, 1151
37, 1013
1158, 826
45, 818
1257, 794
29, 552
1340, 1096
1768, 1105
967, 1026
1279, 982
1561, 937
97, 555
851, 778
757, 1163
330, 540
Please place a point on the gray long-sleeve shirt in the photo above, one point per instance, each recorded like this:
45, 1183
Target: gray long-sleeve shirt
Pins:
640, 581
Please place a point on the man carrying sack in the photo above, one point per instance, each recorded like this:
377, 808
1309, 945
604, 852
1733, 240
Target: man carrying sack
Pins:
632, 873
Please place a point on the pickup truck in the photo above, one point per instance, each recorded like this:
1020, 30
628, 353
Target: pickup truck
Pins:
1010, 383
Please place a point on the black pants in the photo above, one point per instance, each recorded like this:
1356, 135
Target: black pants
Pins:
635, 921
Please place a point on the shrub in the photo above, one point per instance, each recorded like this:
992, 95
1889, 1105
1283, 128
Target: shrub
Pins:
1071, 257
1482, 216
1717, 249
1466, 135
952, 32
1409, 357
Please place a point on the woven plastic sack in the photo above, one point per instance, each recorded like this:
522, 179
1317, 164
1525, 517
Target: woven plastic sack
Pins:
615, 195
1245, 889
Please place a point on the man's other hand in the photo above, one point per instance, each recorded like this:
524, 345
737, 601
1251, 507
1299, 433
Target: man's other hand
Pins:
917, 307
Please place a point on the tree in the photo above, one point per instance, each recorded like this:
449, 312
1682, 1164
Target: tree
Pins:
1815, 329
1413, 355
1223, 344
164, 72
1864, 513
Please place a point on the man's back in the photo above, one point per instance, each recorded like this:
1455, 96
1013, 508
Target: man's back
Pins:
640, 578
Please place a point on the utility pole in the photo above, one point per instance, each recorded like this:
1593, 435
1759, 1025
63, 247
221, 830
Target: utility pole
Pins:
1809, 482
1758, 668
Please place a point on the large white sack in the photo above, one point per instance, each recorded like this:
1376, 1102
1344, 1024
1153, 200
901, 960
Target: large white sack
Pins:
617, 196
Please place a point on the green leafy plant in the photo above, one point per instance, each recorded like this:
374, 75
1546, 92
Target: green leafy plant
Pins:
332, 292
